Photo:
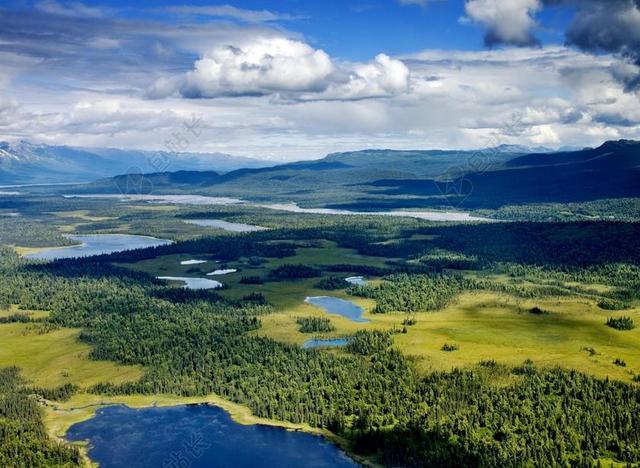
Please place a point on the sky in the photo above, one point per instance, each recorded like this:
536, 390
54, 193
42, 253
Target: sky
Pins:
298, 79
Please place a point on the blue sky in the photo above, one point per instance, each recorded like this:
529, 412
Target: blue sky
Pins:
297, 79
358, 30
361, 29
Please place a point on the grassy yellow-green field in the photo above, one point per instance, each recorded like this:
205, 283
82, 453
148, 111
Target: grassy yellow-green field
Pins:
484, 325
57, 357
489, 326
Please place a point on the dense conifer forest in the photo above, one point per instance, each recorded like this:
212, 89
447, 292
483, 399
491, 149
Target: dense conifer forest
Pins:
195, 343
24, 440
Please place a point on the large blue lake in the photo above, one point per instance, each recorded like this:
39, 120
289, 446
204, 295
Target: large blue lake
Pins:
198, 436
337, 306
98, 244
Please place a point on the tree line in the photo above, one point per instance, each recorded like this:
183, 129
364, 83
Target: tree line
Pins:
24, 441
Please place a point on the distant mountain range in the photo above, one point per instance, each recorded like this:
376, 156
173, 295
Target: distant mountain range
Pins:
338, 178
609, 171
382, 179
27, 163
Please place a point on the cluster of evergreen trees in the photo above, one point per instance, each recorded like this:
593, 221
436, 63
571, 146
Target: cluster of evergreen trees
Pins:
315, 325
23, 437
624, 209
294, 272
18, 231
331, 283
621, 323
368, 343
411, 293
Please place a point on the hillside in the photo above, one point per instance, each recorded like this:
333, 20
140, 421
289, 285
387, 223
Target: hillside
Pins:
24, 163
381, 179
609, 171
338, 178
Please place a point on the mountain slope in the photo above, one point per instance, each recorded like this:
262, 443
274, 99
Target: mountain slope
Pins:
382, 179
23, 163
337, 178
609, 171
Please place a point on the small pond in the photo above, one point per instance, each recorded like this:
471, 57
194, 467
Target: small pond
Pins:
325, 343
337, 306
193, 283
357, 280
228, 271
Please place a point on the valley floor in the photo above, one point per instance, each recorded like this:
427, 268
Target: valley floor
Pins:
447, 298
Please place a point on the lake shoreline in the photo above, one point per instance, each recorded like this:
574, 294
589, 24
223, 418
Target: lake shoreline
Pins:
89, 245
25, 251
83, 407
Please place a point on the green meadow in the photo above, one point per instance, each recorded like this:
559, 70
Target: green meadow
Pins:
485, 325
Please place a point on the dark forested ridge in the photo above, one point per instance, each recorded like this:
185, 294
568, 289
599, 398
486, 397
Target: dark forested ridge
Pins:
335, 170
195, 343
382, 179
607, 172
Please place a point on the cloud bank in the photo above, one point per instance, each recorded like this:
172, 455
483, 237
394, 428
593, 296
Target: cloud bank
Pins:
599, 26
609, 26
291, 69
258, 89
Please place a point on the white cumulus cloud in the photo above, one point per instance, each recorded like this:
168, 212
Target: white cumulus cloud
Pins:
382, 77
288, 68
262, 67
507, 21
